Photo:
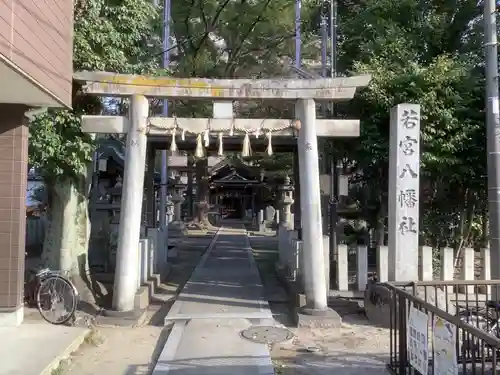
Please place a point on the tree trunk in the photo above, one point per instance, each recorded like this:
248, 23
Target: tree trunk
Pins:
67, 239
202, 194
465, 227
485, 229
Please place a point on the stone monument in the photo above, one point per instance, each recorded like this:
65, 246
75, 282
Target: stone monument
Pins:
404, 185
269, 213
404, 171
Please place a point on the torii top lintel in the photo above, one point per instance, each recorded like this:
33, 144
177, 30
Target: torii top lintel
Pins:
112, 84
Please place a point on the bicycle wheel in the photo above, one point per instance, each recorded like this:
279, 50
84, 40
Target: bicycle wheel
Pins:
482, 319
56, 299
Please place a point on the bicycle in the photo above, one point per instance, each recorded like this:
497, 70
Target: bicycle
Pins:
485, 318
42, 290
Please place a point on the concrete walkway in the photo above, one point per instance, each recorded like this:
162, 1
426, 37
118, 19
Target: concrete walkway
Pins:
223, 297
37, 348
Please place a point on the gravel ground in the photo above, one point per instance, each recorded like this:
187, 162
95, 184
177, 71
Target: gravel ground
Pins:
358, 348
355, 349
119, 351
134, 351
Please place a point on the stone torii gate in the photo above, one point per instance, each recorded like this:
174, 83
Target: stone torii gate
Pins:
138, 126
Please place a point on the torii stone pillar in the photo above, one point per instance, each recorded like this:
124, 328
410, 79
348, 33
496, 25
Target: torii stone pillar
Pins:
296, 205
127, 262
314, 270
163, 222
150, 190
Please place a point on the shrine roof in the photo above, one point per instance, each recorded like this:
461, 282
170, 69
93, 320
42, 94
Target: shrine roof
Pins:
235, 178
228, 162
233, 171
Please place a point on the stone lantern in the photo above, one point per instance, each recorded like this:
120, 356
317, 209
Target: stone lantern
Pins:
285, 223
285, 204
176, 227
169, 210
177, 201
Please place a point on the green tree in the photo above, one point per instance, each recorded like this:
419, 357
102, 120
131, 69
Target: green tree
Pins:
233, 39
214, 40
427, 53
118, 36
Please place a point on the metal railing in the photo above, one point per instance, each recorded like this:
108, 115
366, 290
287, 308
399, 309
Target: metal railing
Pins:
423, 313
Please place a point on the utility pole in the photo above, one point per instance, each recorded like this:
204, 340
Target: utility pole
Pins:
324, 41
298, 41
333, 165
333, 36
324, 106
164, 156
324, 73
296, 162
493, 137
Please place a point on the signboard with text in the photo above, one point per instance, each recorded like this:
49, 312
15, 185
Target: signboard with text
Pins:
418, 342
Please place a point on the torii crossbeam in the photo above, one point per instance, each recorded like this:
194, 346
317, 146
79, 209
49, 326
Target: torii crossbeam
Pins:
164, 125
112, 84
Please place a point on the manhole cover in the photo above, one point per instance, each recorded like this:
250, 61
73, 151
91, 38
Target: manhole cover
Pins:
266, 334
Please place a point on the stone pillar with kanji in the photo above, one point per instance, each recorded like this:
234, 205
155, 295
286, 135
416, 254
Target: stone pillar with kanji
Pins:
404, 182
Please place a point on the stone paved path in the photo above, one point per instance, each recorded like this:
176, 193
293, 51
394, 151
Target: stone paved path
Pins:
223, 297
210, 313
226, 283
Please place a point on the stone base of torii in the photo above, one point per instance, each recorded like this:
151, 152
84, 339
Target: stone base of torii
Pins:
304, 130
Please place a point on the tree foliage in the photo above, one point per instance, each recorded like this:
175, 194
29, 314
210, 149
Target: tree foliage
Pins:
111, 35
118, 36
235, 39
427, 53
215, 40
232, 39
